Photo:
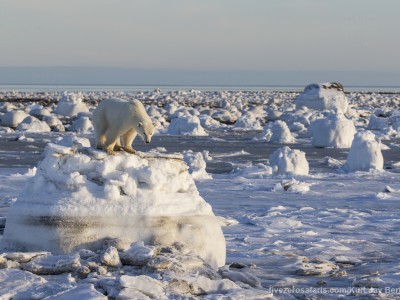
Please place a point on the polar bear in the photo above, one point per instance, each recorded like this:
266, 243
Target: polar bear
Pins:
114, 118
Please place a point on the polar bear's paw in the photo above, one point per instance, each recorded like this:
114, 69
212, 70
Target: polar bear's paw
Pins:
130, 150
110, 151
118, 148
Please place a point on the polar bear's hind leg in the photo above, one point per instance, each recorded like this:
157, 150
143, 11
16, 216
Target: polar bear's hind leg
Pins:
112, 135
100, 132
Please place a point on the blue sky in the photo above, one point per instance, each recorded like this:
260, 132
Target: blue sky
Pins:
201, 36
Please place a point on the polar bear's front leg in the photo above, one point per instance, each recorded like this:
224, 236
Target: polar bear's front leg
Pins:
117, 146
128, 138
110, 149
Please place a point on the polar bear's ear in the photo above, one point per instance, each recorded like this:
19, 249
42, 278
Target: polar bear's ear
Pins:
140, 124
154, 124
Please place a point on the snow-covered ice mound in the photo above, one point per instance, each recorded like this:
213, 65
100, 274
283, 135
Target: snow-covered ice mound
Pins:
378, 123
365, 153
333, 131
71, 105
277, 132
32, 124
285, 161
326, 96
82, 124
248, 121
197, 165
13, 118
39, 112
225, 116
78, 198
54, 123
187, 126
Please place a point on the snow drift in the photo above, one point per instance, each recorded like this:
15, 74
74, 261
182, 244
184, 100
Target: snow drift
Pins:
78, 198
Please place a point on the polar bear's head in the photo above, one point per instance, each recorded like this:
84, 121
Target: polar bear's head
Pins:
146, 130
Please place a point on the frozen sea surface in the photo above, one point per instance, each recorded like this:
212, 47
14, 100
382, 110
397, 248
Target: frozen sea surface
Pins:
343, 232
329, 229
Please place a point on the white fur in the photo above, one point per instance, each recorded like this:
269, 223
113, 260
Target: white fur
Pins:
115, 118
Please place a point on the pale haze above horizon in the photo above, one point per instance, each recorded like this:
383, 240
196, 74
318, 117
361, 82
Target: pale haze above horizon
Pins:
171, 39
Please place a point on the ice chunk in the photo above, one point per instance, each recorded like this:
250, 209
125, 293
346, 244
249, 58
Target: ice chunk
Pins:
39, 112
137, 255
13, 118
31, 124
332, 131
377, 123
204, 285
144, 284
73, 141
365, 153
23, 257
286, 161
189, 125
248, 121
292, 185
71, 105
277, 132
111, 257
52, 265
197, 164
85, 291
225, 116
131, 293
326, 96
81, 125
13, 282
316, 267
241, 276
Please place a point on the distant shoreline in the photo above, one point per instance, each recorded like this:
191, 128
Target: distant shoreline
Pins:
32, 88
